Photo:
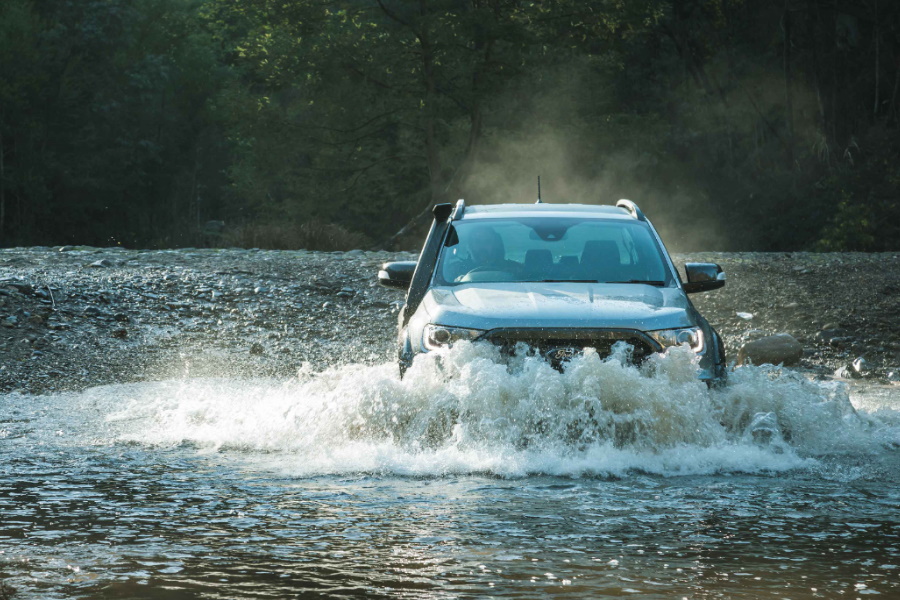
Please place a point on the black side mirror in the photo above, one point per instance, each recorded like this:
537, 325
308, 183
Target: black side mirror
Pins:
702, 277
397, 275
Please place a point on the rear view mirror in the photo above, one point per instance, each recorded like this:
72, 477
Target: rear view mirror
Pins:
703, 277
397, 275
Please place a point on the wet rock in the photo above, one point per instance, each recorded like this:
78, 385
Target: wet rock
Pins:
121, 318
23, 287
860, 366
755, 334
778, 349
894, 376
120, 333
835, 337
832, 336
257, 349
11, 321
845, 373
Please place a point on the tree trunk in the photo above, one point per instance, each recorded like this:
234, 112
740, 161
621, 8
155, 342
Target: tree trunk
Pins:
877, 62
788, 94
448, 191
892, 111
431, 150
835, 112
2, 188
817, 81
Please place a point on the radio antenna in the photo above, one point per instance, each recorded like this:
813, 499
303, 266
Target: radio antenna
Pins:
539, 201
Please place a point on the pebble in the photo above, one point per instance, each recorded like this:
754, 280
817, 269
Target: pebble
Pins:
779, 349
23, 287
146, 281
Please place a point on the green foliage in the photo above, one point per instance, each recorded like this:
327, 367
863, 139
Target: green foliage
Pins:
106, 137
764, 125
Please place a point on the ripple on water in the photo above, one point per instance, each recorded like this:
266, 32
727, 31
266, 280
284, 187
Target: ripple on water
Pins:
465, 478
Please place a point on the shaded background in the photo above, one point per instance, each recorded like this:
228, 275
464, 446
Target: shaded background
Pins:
735, 124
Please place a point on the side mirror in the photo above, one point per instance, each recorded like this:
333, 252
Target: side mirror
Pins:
703, 277
397, 275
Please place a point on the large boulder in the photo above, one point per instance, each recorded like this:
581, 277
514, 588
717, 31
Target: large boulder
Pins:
778, 349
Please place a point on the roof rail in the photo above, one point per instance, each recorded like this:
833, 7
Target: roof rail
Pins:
632, 208
460, 209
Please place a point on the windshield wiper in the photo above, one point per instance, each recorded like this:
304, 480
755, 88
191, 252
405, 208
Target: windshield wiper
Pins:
569, 281
644, 281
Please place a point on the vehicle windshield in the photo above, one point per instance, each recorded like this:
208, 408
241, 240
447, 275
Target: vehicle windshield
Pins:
551, 249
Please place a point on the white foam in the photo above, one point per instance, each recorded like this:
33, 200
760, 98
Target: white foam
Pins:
467, 411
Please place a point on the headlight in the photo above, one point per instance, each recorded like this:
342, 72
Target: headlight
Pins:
667, 338
439, 336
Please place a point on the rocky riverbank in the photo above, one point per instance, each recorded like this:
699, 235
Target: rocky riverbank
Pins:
75, 317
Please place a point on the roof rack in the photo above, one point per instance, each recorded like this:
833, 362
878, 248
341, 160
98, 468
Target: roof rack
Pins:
459, 210
632, 208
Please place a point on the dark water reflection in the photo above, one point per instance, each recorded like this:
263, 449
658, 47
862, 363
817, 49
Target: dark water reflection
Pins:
86, 515
116, 522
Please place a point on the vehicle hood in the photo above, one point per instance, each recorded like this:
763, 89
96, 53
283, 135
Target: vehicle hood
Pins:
566, 304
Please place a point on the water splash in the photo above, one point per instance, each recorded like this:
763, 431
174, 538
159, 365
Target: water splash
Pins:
466, 410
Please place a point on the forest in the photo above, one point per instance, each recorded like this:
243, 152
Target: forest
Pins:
334, 124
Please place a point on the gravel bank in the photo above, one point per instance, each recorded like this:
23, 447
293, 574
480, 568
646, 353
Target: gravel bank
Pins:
72, 318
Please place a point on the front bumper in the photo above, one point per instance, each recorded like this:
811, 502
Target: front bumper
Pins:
558, 345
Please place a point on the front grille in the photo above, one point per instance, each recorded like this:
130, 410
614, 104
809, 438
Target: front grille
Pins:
557, 345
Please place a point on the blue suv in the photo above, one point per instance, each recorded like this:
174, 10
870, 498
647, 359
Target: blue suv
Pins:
558, 277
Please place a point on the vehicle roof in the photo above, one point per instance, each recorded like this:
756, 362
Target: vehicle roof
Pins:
482, 211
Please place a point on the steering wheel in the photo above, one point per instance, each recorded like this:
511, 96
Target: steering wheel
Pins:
496, 274
484, 269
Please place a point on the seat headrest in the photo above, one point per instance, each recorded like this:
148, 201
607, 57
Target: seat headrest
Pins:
600, 252
538, 257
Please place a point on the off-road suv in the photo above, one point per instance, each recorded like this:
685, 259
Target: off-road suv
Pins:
558, 277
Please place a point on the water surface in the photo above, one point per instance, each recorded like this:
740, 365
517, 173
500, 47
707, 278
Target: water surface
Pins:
468, 478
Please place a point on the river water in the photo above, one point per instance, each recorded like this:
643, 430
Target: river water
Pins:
468, 478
